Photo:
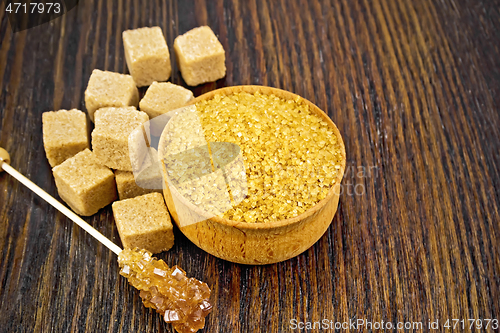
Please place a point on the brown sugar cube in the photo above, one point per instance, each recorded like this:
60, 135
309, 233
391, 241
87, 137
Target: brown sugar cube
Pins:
144, 222
161, 98
147, 55
110, 89
148, 179
64, 134
118, 137
150, 175
85, 184
200, 56
127, 186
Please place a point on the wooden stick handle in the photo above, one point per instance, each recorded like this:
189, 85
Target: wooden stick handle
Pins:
60, 207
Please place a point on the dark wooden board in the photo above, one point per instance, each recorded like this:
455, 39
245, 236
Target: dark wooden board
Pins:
414, 88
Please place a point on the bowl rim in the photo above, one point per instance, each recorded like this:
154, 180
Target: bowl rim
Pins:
265, 90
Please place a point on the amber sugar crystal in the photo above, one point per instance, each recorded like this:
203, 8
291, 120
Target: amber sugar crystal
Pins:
292, 156
182, 301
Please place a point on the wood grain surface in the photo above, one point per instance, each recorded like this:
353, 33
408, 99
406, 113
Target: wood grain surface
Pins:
414, 88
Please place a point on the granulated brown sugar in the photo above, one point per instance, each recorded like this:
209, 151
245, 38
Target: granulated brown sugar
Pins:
291, 155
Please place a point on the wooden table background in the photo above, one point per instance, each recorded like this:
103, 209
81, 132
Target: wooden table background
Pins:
413, 87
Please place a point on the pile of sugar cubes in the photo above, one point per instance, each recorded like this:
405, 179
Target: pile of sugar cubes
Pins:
90, 180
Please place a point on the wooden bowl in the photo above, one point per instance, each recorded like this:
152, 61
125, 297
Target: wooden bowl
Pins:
257, 243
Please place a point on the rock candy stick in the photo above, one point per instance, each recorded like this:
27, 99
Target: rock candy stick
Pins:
182, 301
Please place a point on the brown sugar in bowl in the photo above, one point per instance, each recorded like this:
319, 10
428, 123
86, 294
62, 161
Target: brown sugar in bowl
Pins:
257, 243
